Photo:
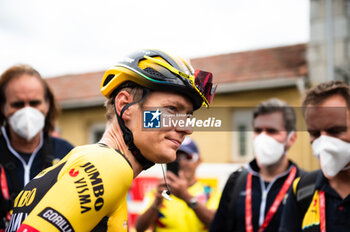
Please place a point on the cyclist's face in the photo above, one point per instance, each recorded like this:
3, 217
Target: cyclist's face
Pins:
160, 144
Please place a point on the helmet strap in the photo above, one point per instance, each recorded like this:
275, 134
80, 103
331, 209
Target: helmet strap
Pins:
128, 136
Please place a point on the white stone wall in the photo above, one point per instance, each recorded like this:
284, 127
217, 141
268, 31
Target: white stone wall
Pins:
317, 51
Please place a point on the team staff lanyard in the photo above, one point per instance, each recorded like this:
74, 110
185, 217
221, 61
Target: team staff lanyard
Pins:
4, 187
322, 211
4, 190
274, 206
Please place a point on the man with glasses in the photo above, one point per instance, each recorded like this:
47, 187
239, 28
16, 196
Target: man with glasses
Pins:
192, 206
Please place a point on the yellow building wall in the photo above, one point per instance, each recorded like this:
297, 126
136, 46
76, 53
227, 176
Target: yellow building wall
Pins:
75, 124
215, 146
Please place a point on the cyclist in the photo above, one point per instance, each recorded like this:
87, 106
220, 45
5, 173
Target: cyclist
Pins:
87, 190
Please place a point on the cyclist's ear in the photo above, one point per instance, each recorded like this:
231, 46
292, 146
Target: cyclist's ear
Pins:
121, 100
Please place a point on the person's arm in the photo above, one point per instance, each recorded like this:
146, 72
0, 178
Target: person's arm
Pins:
222, 214
61, 147
148, 218
204, 214
179, 188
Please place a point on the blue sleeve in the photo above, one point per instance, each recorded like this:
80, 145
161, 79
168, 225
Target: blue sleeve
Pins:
291, 219
61, 147
219, 224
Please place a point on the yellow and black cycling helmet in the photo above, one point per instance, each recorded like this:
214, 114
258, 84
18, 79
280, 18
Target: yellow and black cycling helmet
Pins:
157, 70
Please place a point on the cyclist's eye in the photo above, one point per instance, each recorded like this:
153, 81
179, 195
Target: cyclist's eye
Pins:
171, 109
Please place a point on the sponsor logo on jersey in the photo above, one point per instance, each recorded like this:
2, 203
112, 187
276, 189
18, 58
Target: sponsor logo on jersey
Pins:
25, 198
73, 172
56, 219
83, 193
83, 188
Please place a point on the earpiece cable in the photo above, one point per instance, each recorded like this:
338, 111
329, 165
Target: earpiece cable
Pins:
165, 193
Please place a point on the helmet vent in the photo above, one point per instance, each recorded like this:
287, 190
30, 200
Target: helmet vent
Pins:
108, 79
155, 74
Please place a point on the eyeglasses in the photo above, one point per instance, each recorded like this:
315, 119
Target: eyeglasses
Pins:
187, 157
201, 81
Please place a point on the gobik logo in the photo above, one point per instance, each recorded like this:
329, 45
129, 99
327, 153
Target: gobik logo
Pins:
151, 119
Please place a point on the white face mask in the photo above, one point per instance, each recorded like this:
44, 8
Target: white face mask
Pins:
333, 153
267, 149
27, 122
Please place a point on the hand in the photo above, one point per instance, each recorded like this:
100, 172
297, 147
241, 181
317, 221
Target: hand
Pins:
158, 198
178, 185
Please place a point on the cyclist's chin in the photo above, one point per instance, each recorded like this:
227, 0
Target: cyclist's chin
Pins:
161, 155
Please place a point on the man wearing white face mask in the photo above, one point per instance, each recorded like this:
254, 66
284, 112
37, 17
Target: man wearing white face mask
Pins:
27, 116
320, 201
252, 199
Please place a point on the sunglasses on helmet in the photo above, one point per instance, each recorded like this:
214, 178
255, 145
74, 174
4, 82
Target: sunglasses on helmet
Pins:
201, 81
